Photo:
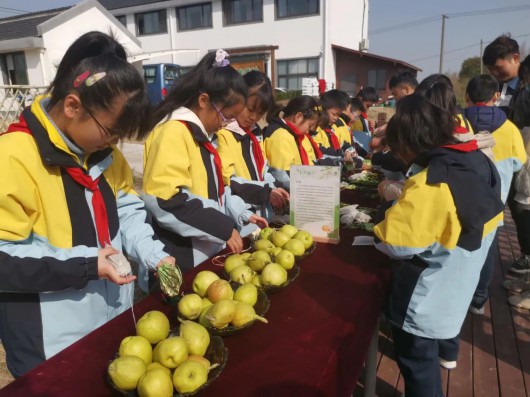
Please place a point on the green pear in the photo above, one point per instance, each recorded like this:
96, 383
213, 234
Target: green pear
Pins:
289, 230
202, 281
273, 274
245, 255
220, 289
171, 352
256, 280
221, 313
256, 264
295, 246
247, 293
262, 255
155, 365
279, 238
244, 314
305, 238
242, 274
266, 232
155, 383
154, 326
232, 262
286, 259
276, 251
126, 371
190, 306
206, 303
202, 318
196, 336
136, 346
263, 245
189, 376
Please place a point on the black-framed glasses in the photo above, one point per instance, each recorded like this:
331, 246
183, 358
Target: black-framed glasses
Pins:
105, 129
224, 120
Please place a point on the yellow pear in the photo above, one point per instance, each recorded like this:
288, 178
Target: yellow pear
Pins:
125, 372
189, 376
247, 293
136, 346
155, 383
221, 313
244, 314
190, 306
196, 336
154, 326
171, 352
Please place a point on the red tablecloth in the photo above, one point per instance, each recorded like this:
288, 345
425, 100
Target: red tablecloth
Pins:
314, 345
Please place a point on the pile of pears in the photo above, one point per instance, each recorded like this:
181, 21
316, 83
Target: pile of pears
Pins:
215, 304
275, 253
175, 363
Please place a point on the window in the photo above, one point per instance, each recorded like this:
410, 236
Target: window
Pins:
377, 79
291, 72
122, 19
348, 84
242, 11
295, 8
151, 22
14, 70
149, 74
197, 16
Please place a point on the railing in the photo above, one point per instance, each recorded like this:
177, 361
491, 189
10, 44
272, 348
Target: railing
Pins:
13, 100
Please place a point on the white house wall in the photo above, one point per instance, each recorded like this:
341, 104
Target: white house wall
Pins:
58, 39
34, 68
301, 37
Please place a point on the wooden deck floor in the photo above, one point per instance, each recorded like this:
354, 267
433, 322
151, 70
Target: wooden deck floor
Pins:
494, 355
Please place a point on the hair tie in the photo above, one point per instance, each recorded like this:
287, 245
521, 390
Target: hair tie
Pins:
220, 59
317, 108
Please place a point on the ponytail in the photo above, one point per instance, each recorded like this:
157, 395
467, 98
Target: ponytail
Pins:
223, 84
95, 67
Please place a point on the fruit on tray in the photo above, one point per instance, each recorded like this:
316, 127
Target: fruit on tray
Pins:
247, 293
154, 326
273, 274
190, 306
295, 246
188, 353
202, 281
219, 289
305, 238
244, 314
289, 230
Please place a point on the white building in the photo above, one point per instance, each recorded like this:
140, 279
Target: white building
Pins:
287, 39
32, 45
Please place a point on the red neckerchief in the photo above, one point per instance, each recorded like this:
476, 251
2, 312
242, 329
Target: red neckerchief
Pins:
334, 140
365, 118
218, 164
316, 149
79, 176
459, 129
98, 204
481, 104
468, 146
258, 154
299, 139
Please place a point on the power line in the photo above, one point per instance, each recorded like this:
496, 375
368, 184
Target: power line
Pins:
462, 48
12, 9
423, 21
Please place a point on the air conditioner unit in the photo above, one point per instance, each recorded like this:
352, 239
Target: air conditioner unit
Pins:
363, 45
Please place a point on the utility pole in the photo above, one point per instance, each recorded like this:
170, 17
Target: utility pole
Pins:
481, 53
440, 70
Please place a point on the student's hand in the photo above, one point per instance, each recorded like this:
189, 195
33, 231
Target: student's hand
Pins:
279, 197
235, 243
375, 144
371, 124
349, 155
167, 260
258, 220
107, 271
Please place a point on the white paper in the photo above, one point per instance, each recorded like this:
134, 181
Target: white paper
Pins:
363, 240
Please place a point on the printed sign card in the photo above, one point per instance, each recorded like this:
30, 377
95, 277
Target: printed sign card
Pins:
315, 201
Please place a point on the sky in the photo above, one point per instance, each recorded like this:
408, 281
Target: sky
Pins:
418, 43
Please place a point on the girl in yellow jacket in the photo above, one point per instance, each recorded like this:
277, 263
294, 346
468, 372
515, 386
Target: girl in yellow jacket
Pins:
287, 141
67, 202
194, 212
245, 168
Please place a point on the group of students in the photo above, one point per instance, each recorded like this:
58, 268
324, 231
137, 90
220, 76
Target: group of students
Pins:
211, 176
462, 167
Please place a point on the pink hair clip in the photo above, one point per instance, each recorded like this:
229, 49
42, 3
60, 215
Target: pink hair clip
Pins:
221, 59
79, 79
